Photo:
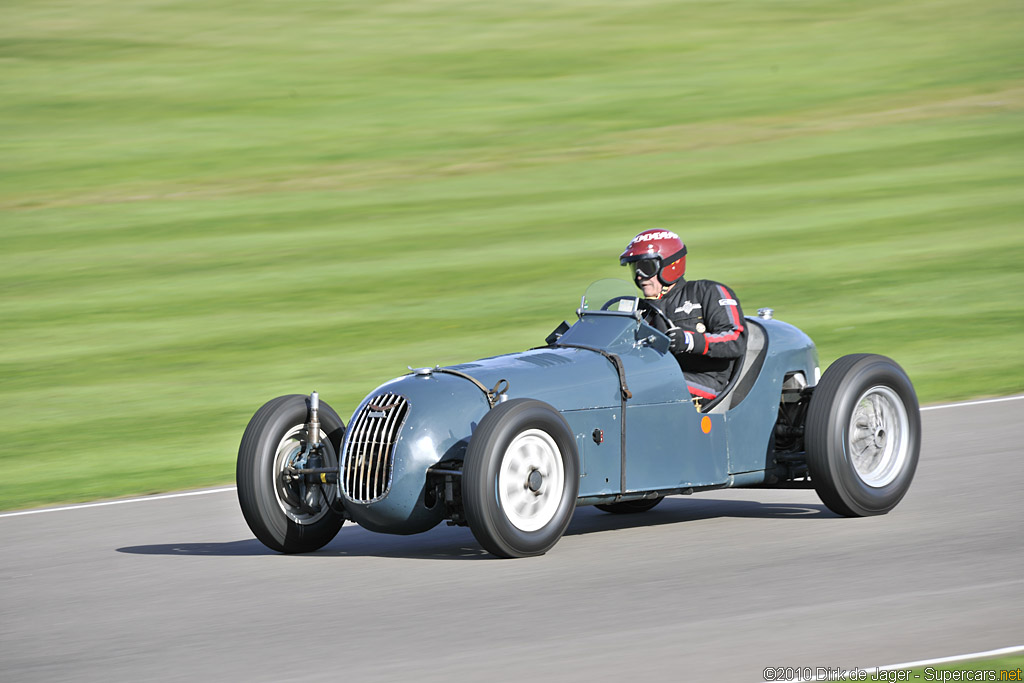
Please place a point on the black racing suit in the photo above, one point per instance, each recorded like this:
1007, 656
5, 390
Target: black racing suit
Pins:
711, 312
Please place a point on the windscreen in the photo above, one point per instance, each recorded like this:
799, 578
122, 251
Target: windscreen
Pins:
611, 294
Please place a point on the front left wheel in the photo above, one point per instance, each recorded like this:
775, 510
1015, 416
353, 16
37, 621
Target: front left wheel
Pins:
289, 514
520, 478
863, 435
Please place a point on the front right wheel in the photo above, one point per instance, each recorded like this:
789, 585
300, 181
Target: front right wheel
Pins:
287, 514
863, 435
520, 478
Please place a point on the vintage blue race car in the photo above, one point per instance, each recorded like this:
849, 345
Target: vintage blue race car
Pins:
601, 415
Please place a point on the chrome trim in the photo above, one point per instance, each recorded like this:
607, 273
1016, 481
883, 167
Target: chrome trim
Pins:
369, 447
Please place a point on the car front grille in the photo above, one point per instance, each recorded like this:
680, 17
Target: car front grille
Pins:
370, 447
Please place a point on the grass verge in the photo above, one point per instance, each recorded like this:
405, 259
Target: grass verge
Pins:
206, 205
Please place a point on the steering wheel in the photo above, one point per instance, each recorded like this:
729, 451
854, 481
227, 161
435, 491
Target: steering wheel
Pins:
608, 304
668, 321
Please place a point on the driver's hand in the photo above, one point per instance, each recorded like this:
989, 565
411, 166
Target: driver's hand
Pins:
682, 341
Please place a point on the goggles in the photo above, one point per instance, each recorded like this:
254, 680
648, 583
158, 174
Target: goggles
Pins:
645, 269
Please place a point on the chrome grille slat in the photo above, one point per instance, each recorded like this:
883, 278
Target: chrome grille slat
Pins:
370, 450
373, 427
353, 452
382, 447
379, 438
352, 470
364, 453
359, 476
360, 438
370, 445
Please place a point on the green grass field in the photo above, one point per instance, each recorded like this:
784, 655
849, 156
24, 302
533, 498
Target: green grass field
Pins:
207, 204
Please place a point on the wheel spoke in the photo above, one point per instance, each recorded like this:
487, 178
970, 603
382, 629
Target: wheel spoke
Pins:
531, 451
877, 439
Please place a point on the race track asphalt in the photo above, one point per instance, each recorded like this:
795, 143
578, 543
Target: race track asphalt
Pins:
711, 587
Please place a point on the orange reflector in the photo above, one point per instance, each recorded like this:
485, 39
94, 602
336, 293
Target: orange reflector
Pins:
705, 424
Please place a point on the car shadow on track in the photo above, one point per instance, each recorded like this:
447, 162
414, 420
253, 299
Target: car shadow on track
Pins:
678, 509
457, 543
440, 543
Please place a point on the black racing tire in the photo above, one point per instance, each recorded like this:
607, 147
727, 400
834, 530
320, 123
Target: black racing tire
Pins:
863, 435
520, 478
630, 507
274, 432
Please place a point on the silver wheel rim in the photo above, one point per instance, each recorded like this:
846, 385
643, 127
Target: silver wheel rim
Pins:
531, 480
288, 451
879, 436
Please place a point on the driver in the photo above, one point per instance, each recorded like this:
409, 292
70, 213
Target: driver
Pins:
708, 333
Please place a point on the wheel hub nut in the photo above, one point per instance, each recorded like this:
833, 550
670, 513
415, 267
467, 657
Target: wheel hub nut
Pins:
534, 481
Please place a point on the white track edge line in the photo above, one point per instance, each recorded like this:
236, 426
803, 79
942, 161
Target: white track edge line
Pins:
973, 403
914, 665
143, 499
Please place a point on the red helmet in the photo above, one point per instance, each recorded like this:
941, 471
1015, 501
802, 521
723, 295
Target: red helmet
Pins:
656, 252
